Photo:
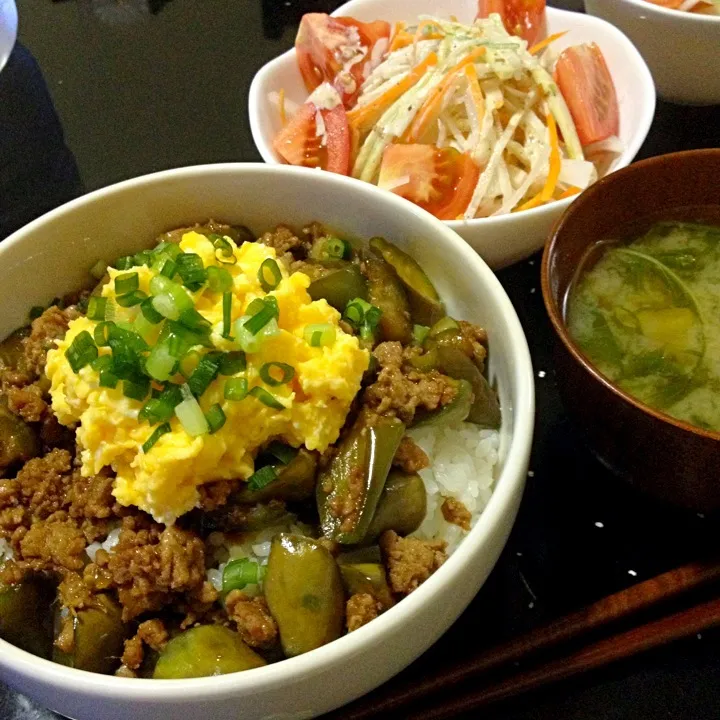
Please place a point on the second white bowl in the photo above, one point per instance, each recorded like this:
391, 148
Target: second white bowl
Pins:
505, 239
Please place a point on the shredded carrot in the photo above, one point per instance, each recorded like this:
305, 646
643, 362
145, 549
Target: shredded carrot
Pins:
475, 89
572, 190
399, 37
538, 47
281, 106
363, 117
545, 195
432, 107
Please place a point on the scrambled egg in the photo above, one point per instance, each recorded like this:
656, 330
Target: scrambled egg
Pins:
164, 481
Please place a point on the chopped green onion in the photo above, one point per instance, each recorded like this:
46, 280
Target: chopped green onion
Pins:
219, 279
103, 365
126, 283
354, 314
156, 410
161, 364
181, 338
99, 269
192, 271
167, 249
320, 334
125, 263
266, 398
108, 379
262, 477
160, 285
159, 431
232, 362
284, 453
165, 267
240, 573
190, 414
336, 248
236, 388
150, 313
287, 373
250, 342
102, 362
206, 371
269, 275
223, 249
144, 257
36, 311
82, 351
102, 333
131, 299
215, 418
193, 320
126, 347
227, 314
144, 328
420, 332
266, 312
97, 307
136, 388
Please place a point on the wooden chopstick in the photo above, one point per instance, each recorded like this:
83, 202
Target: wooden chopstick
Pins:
639, 639
610, 609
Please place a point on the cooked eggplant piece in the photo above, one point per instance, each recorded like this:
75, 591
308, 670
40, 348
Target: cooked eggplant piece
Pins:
18, 441
402, 505
385, 291
26, 615
243, 516
348, 490
454, 412
98, 637
295, 481
11, 349
304, 592
425, 305
205, 651
367, 578
362, 555
340, 287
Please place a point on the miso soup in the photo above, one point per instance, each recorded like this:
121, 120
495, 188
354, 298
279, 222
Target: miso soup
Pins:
647, 314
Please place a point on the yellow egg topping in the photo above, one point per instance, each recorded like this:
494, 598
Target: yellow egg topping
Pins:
307, 409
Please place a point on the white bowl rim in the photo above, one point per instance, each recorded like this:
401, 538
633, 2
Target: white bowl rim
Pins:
109, 687
556, 207
673, 13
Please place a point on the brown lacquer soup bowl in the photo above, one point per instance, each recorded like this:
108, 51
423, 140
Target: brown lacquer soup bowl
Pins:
666, 457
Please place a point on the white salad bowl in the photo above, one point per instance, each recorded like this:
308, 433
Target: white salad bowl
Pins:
52, 255
681, 48
8, 29
504, 239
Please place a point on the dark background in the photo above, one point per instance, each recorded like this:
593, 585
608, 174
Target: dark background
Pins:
139, 86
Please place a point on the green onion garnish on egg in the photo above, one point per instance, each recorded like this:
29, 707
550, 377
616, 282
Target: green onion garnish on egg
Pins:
159, 431
236, 389
266, 398
269, 373
97, 307
82, 351
269, 275
215, 418
262, 478
126, 283
319, 335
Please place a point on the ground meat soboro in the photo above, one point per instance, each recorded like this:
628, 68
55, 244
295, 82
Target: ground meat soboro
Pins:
410, 457
410, 561
400, 390
150, 563
360, 609
252, 616
456, 513
151, 633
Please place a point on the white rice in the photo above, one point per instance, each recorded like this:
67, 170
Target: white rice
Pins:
108, 544
6, 551
462, 463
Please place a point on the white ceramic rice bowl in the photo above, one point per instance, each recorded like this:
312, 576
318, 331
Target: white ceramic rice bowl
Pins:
52, 256
505, 239
681, 48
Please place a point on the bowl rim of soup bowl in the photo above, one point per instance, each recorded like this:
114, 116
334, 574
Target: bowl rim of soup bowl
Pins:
508, 483
672, 13
556, 313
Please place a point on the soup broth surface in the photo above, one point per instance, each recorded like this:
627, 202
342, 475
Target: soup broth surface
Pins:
647, 314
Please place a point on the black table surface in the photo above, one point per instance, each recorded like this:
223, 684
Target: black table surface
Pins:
98, 91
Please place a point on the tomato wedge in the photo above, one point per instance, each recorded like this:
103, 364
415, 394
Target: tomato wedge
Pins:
336, 50
298, 143
585, 81
440, 180
525, 18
